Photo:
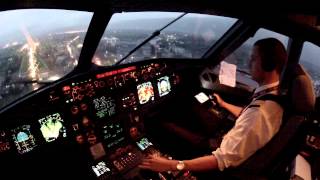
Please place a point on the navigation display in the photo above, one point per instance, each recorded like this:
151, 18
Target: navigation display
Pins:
145, 92
52, 127
105, 106
4, 141
23, 139
164, 86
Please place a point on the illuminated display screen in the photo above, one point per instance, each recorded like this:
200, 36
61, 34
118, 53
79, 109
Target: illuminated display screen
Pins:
113, 134
145, 92
100, 168
23, 139
4, 141
105, 106
52, 127
144, 143
164, 86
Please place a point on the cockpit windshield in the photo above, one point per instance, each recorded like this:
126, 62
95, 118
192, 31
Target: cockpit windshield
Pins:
188, 37
38, 46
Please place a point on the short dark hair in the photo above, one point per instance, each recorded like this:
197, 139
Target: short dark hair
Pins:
273, 54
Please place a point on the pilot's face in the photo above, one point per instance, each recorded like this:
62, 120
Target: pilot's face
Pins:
255, 65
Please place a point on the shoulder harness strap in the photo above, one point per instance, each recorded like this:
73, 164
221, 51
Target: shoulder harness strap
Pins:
272, 97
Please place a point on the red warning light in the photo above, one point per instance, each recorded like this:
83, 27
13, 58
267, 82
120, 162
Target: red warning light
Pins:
66, 88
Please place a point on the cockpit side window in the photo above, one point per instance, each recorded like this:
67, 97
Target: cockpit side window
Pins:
310, 60
240, 57
38, 46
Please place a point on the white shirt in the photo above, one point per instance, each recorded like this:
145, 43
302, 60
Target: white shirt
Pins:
252, 130
262, 88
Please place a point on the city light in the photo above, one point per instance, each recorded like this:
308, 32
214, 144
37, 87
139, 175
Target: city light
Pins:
69, 47
33, 66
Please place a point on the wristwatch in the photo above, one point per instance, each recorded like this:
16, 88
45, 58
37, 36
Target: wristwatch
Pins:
180, 165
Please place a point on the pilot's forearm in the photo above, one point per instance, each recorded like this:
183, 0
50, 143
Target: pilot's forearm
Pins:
204, 163
235, 110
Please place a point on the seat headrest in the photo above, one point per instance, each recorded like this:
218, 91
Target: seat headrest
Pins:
302, 92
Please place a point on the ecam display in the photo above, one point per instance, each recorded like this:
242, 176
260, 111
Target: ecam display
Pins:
164, 86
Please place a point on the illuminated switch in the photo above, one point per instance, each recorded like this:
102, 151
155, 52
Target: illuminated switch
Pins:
312, 139
102, 84
187, 173
75, 127
84, 107
136, 118
74, 110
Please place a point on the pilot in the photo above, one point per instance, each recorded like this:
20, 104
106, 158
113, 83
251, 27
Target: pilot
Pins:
256, 124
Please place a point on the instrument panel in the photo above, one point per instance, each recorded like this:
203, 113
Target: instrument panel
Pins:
100, 113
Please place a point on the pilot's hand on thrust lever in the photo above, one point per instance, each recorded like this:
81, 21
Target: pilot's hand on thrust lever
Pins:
158, 164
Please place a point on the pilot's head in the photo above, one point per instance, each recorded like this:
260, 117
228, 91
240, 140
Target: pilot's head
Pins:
267, 59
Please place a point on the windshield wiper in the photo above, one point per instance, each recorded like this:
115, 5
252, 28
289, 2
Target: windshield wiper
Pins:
28, 81
154, 34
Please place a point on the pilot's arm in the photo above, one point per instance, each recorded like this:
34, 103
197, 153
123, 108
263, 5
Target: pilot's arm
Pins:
235, 110
253, 129
161, 164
